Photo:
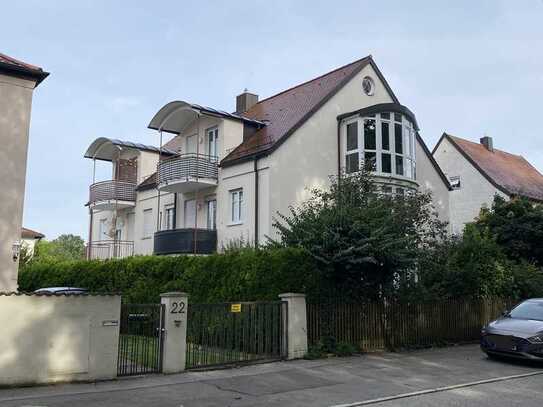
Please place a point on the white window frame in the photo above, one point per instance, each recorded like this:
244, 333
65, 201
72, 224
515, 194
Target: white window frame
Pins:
211, 216
169, 211
408, 145
237, 206
213, 133
148, 224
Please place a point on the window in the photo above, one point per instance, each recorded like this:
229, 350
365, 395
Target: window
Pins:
169, 220
236, 204
385, 142
352, 157
212, 142
148, 224
103, 232
212, 214
190, 213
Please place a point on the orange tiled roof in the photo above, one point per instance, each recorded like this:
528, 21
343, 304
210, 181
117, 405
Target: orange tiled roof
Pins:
510, 173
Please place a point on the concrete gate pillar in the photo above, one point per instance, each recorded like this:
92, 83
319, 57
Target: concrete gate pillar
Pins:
175, 331
297, 324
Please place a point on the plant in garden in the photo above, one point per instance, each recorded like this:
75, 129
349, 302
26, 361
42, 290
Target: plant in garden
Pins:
517, 226
366, 243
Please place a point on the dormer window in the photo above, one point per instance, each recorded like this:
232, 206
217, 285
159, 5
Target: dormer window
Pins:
384, 143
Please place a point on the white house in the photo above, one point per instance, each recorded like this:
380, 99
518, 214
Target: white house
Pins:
29, 238
478, 172
222, 177
17, 83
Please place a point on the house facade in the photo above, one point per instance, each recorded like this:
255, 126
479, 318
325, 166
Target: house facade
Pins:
29, 239
477, 172
220, 178
17, 83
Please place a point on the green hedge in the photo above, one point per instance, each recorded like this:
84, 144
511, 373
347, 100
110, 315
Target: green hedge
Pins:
240, 275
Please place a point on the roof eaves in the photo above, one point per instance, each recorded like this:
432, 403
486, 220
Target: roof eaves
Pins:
19, 71
434, 162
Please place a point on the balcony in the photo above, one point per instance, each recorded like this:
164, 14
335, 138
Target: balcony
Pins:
110, 249
109, 195
187, 173
185, 241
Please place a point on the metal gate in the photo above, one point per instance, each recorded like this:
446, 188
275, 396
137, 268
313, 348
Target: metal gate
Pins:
235, 333
140, 340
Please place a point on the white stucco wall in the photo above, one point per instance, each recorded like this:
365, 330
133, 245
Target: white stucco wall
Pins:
58, 338
475, 191
429, 181
15, 106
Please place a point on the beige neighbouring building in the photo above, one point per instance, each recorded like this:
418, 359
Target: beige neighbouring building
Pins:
29, 239
17, 83
220, 178
478, 172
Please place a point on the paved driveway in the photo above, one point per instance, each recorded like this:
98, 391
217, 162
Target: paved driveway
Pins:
421, 378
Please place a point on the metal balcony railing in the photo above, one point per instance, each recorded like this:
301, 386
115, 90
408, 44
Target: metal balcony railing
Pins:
110, 249
185, 241
112, 190
187, 167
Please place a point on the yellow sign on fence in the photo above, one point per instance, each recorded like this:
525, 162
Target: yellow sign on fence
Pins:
235, 307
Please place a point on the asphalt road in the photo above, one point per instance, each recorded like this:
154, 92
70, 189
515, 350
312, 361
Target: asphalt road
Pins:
460, 376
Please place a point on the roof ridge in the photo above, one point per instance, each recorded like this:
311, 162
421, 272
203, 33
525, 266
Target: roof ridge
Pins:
314, 79
479, 144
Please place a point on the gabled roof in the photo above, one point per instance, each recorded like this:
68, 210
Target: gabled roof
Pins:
285, 112
104, 148
509, 173
14, 67
31, 234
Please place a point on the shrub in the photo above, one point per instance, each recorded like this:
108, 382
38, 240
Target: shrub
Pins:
237, 275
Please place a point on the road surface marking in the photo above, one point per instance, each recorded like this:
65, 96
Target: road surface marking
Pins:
437, 390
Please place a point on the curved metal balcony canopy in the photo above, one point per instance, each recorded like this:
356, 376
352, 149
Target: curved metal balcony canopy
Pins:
177, 116
107, 149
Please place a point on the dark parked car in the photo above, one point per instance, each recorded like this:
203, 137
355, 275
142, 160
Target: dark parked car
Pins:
517, 333
61, 290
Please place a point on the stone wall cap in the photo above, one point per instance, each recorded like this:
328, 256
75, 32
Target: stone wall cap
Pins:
174, 294
291, 295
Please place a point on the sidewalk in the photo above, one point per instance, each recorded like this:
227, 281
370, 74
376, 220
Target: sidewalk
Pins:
298, 383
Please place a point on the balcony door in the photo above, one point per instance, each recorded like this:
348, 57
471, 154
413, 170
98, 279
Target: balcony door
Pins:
192, 143
213, 142
190, 213
212, 214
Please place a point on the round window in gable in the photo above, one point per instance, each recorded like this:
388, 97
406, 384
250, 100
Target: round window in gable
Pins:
368, 86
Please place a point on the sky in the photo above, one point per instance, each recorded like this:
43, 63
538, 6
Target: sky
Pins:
468, 68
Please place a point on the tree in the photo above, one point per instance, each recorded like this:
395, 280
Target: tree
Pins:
517, 226
365, 242
64, 247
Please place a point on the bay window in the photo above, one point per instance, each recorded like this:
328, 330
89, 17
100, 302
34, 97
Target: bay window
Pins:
384, 143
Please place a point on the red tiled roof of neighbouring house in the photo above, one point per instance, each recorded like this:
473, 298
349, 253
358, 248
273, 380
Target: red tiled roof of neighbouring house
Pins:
509, 173
287, 111
15, 67
31, 234
147, 183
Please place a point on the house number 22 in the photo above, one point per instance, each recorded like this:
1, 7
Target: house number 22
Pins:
177, 308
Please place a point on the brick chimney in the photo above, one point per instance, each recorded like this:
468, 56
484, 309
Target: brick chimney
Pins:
245, 101
487, 142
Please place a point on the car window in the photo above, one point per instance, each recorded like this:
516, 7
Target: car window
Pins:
528, 310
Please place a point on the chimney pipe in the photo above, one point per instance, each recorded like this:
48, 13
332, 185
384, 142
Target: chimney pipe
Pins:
488, 143
245, 101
